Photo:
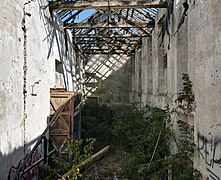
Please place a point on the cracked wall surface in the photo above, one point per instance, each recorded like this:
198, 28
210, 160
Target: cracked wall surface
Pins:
31, 41
194, 50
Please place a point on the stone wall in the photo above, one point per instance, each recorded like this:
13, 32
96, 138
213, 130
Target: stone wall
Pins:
31, 42
194, 50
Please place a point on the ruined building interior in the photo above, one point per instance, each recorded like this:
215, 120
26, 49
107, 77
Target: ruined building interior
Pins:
120, 52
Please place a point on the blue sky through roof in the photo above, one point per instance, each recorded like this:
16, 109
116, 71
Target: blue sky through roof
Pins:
83, 15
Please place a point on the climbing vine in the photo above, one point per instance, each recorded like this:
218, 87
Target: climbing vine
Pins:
181, 162
186, 98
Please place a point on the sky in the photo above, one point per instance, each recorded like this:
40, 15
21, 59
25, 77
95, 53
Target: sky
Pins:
83, 15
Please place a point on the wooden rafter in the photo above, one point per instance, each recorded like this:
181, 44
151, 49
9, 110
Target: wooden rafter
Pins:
82, 5
111, 25
103, 48
107, 49
111, 36
116, 27
104, 42
129, 21
72, 16
110, 53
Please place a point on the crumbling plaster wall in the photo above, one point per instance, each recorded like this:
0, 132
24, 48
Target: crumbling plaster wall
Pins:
142, 73
30, 41
195, 50
205, 72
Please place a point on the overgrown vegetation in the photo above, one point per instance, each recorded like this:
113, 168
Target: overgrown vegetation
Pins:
143, 138
181, 162
141, 141
96, 123
78, 150
186, 98
138, 132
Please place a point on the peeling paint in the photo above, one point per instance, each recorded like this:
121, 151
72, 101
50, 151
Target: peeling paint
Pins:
25, 43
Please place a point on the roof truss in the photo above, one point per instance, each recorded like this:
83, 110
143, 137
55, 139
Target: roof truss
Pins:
82, 5
110, 25
116, 27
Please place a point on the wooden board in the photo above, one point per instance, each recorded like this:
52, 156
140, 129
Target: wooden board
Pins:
67, 122
82, 5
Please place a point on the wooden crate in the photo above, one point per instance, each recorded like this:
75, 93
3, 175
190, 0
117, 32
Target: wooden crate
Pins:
68, 121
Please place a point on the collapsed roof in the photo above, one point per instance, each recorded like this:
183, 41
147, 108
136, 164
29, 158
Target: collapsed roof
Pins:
116, 26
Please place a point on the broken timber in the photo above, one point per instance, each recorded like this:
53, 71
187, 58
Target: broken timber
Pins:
89, 161
110, 25
110, 36
106, 42
82, 5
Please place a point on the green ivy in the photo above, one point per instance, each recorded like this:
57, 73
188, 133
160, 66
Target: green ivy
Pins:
186, 98
182, 165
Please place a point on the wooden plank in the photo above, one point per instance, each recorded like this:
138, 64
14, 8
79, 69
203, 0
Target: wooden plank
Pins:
65, 113
111, 36
72, 16
113, 53
78, 106
60, 91
58, 140
64, 120
55, 105
57, 90
82, 5
77, 112
130, 22
71, 118
102, 48
110, 25
59, 132
62, 126
62, 95
89, 161
105, 42
55, 135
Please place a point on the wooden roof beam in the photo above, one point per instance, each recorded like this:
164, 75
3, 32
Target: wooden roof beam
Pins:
106, 47
72, 16
130, 22
82, 5
107, 41
109, 53
111, 36
111, 25
104, 42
